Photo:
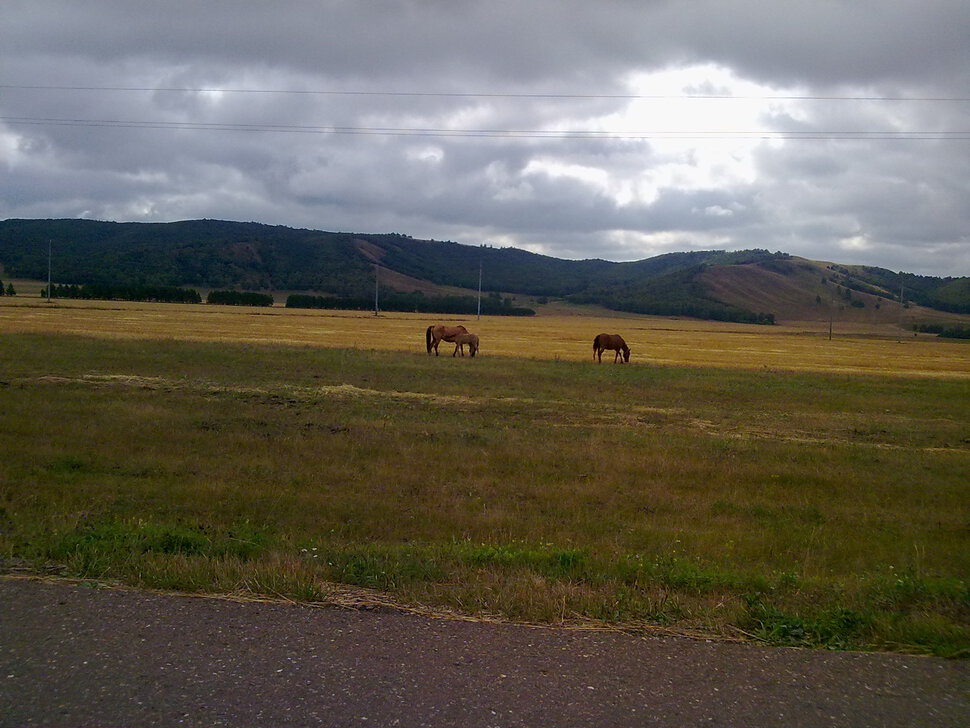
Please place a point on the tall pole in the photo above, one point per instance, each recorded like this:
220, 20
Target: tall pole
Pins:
831, 312
902, 308
479, 289
377, 286
48, 270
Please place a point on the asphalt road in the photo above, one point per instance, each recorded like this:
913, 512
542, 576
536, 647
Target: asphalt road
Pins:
73, 655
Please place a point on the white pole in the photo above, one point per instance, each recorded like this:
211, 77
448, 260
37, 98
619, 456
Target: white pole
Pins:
831, 312
902, 308
479, 289
48, 270
377, 285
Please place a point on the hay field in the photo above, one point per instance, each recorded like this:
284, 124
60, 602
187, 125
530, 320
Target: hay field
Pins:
654, 340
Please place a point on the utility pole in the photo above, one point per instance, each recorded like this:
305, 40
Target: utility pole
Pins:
48, 270
831, 312
902, 308
479, 289
377, 286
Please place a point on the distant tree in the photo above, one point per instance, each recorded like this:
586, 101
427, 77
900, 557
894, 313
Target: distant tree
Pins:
239, 298
10, 290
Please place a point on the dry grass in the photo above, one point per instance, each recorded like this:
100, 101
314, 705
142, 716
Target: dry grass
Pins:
654, 340
183, 447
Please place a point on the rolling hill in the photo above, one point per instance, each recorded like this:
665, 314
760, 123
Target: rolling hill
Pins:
747, 286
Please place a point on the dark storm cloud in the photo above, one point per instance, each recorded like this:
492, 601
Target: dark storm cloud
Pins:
868, 180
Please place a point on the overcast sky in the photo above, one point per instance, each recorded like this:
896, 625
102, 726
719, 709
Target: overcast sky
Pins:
837, 130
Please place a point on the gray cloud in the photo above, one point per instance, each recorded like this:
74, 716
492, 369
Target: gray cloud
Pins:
867, 180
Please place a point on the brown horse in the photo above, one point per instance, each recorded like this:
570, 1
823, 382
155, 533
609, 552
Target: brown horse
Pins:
470, 339
436, 334
610, 341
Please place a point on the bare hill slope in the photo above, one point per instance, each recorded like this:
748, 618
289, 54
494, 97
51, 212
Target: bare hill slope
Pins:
809, 290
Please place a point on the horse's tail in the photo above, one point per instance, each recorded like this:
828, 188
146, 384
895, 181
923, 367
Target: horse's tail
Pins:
596, 341
427, 338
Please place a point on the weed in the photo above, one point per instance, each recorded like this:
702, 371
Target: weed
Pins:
549, 562
833, 628
384, 568
93, 544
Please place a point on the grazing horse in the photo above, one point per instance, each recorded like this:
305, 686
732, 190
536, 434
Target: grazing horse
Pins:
470, 339
436, 334
610, 341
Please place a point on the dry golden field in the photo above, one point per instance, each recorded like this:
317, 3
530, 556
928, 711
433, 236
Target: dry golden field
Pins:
804, 346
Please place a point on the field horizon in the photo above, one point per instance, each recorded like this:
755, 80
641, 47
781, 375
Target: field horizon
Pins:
843, 347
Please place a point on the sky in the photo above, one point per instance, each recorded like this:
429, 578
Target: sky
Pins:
835, 130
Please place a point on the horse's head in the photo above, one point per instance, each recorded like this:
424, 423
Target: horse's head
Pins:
473, 345
626, 353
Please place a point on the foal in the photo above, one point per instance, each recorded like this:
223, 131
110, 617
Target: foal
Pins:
466, 338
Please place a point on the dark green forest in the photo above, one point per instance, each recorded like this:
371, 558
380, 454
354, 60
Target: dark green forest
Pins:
112, 292
252, 257
944, 294
491, 305
203, 253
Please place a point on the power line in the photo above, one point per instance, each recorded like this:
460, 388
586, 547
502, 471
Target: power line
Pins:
492, 133
487, 95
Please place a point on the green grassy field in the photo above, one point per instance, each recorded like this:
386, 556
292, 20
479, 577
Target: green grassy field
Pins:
799, 508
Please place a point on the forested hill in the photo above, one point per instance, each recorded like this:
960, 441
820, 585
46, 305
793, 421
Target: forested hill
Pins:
214, 254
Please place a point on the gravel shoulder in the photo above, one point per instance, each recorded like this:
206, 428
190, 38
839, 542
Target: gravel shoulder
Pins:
75, 655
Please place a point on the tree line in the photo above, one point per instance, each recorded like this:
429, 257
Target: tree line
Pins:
946, 331
239, 298
159, 294
493, 305
107, 292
